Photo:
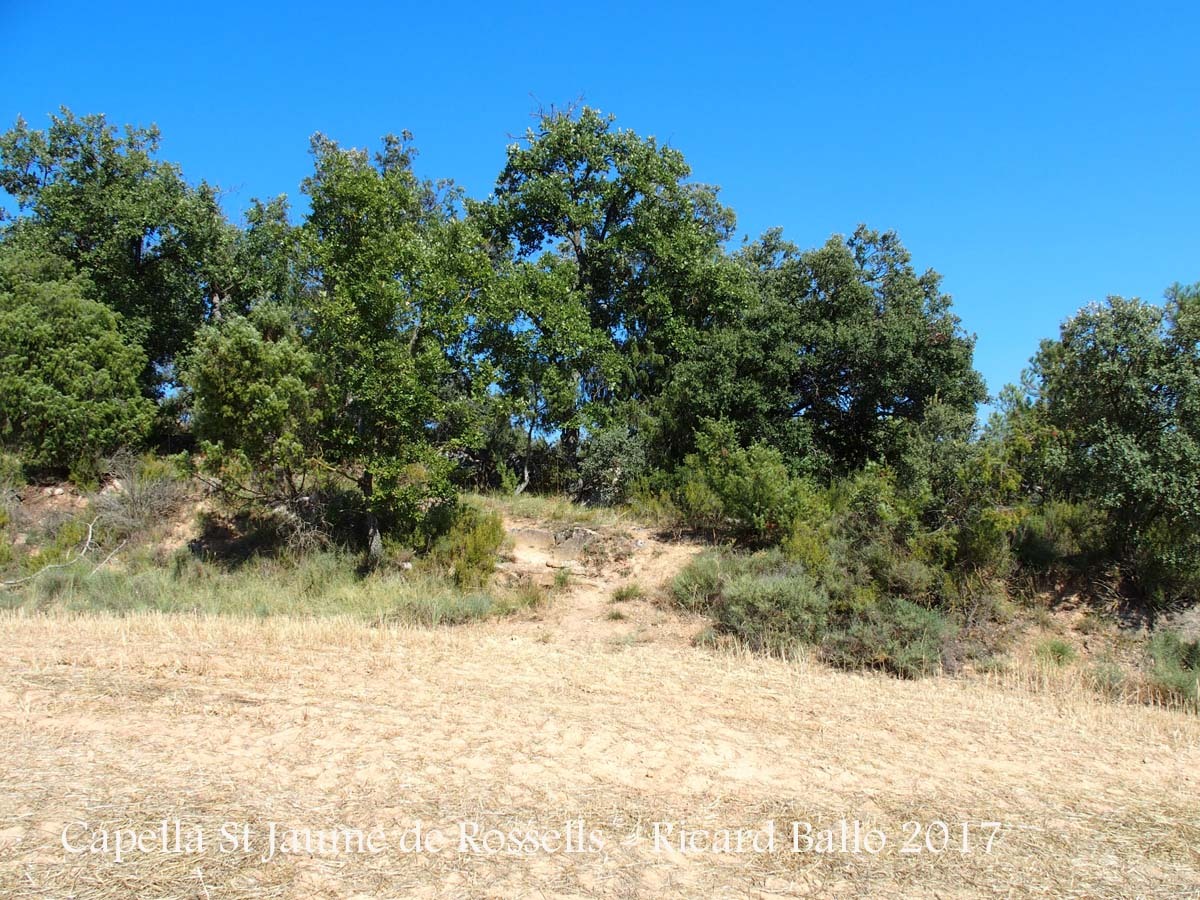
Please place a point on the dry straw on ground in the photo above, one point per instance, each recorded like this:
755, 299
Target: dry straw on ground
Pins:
135, 720
562, 714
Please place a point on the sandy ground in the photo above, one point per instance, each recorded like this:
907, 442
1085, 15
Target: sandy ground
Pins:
537, 724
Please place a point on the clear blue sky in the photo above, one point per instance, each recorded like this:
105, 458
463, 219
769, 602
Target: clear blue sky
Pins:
1039, 156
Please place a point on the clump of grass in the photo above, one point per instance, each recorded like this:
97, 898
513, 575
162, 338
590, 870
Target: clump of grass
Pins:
1055, 652
1107, 678
1042, 617
615, 615
562, 579
1176, 665
629, 591
526, 594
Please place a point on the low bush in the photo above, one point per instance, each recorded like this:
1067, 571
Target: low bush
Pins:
700, 582
747, 492
613, 460
468, 552
773, 610
775, 603
894, 636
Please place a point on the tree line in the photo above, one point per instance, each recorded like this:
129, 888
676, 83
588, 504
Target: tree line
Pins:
586, 328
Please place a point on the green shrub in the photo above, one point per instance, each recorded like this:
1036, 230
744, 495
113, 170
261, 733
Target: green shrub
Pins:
746, 491
772, 602
699, 584
900, 574
613, 462
894, 636
470, 549
1176, 664
808, 544
1059, 536
774, 610
653, 505
1056, 652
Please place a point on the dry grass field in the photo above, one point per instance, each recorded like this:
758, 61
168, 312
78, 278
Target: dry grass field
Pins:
559, 716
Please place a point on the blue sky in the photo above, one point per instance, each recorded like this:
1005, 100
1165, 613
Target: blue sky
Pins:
1039, 156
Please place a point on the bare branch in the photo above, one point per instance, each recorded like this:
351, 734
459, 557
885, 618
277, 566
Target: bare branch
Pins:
87, 546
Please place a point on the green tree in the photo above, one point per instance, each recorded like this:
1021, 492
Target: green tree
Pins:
150, 243
254, 406
267, 259
539, 337
642, 243
396, 273
68, 377
842, 346
1119, 394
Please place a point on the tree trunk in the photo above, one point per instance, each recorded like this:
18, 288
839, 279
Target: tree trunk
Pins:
528, 453
374, 554
570, 447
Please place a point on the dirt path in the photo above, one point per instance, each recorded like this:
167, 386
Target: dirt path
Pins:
594, 563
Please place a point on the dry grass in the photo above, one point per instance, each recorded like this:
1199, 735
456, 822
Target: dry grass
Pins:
555, 509
329, 711
128, 721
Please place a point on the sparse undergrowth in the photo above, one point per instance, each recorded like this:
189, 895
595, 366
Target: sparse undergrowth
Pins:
319, 585
106, 554
888, 610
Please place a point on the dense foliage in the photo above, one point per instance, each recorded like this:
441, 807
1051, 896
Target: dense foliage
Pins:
586, 328
68, 377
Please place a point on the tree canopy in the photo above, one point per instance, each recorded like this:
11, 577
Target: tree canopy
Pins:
585, 326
